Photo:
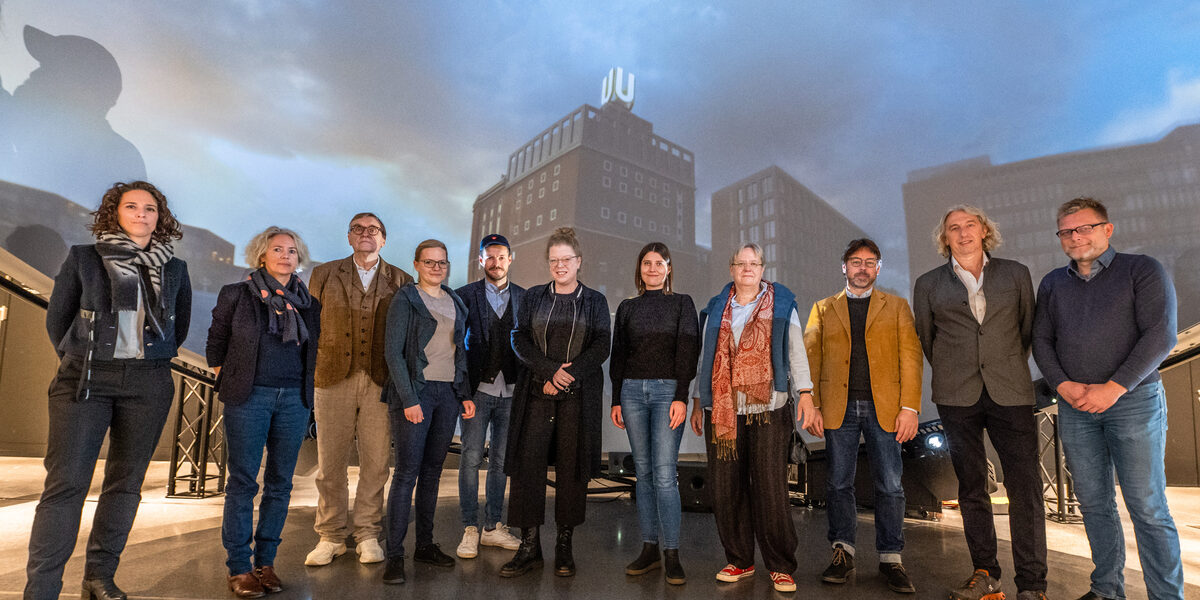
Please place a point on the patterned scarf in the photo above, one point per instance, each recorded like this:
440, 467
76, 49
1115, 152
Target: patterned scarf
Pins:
282, 302
742, 367
124, 260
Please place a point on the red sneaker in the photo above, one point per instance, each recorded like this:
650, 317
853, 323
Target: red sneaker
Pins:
732, 573
783, 582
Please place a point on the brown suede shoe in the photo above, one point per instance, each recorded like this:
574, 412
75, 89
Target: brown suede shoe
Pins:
246, 585
269, 580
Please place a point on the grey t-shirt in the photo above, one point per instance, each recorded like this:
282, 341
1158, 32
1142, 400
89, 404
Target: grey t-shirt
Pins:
440, 349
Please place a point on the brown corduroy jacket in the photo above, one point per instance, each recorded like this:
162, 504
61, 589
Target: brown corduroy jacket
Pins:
330, 284
893, 351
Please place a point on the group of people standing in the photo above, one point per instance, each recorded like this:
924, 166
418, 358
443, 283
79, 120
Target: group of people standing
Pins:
389, 366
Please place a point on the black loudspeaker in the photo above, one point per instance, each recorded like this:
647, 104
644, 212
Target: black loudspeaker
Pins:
694, 491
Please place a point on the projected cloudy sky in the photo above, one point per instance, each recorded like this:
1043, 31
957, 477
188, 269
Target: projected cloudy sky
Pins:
300, 113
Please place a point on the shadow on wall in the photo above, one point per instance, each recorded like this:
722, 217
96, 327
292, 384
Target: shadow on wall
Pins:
1187, 287
39, 246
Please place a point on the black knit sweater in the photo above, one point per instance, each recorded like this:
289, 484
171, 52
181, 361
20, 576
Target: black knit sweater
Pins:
656, 336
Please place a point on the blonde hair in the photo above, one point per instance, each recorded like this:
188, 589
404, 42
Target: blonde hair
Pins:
564, 236
427, 244
991, 240
256, 249
758, 252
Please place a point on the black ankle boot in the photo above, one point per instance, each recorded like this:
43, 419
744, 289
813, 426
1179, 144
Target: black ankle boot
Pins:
647, 561
102, 589
672, 568
564, 563
529, 554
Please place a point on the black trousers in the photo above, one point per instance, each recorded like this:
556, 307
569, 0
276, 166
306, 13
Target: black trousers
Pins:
750, 492
129, 401
550, 426
1014, 434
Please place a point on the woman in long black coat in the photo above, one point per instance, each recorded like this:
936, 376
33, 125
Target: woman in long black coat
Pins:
562, 339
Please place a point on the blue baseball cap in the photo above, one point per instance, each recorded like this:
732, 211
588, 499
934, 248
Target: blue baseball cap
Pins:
494, 239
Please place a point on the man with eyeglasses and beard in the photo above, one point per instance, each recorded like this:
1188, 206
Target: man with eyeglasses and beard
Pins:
355, 293
1104, 323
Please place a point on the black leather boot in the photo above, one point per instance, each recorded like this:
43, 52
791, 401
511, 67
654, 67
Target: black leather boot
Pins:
102, 589
672, 568
528, 556
647, 561
564, 563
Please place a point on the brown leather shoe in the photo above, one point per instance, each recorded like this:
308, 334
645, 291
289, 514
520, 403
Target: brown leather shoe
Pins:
269, 580
246, 585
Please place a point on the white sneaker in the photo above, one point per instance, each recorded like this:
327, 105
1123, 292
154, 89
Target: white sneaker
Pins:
369, 551
469, 546
500, 537
324, 553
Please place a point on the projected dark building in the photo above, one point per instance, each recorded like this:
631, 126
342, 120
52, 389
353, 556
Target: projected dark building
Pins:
606, 173
802, 236
1152, 192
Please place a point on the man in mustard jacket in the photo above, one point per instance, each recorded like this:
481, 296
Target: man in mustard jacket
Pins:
865, 356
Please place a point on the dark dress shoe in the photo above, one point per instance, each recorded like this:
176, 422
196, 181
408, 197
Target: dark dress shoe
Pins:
897, 578
269, 580
647, 561
246, 585
393, 571
528, 556
102, 589
564, 562
1093, 596
432, 554
672, 568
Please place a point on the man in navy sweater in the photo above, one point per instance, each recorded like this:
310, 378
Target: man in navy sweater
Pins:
1103, 324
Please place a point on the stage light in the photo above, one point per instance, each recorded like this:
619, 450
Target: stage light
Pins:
935, 441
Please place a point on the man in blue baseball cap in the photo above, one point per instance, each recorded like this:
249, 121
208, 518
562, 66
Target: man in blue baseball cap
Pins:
492, 372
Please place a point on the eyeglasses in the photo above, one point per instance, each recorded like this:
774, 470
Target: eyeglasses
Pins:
858, 262
566, 260
752, 265
369, 230
1065, 234
435, 264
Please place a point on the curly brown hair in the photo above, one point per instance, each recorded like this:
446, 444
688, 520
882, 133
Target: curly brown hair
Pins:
104, 218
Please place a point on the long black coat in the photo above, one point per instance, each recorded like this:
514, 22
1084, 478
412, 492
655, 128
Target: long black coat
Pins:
586, 369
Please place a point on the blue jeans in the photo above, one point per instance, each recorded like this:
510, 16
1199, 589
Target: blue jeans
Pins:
420, 450
1131, 437
274, 419
491, 410
841, 449
646, 410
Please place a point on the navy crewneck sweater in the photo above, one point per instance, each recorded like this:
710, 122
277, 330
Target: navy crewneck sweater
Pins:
1118, 326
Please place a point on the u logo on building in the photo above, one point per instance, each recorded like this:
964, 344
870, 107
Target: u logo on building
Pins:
614, 89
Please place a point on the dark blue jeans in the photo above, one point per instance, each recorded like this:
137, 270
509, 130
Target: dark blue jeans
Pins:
129, 400
841, 448
1129, 439
494, 411
646, 410
274, 419
420, 451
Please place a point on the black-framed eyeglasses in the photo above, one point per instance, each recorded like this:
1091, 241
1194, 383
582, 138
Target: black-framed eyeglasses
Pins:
1065, 234
435, 264
369, 230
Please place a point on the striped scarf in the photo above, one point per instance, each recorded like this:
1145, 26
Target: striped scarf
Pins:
742, 367
125, 261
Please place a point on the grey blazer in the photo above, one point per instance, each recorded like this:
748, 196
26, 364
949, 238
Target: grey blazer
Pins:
967, 356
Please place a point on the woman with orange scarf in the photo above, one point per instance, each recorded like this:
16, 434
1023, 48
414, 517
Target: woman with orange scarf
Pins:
752, 360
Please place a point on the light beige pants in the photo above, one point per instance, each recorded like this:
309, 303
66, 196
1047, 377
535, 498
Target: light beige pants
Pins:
343, 410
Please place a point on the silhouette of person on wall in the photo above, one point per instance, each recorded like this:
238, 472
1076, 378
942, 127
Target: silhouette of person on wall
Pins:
55, 123
39, 246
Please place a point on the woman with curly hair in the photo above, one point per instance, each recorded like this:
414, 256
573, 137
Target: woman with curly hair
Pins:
118, 314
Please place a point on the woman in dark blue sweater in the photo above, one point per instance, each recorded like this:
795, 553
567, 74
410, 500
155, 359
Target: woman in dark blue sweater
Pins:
656, 344
119, 311
263, 345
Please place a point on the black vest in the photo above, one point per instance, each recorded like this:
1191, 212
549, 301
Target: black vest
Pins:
500, 355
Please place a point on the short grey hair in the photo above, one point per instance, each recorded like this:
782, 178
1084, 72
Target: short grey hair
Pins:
256, 249
991, 239
758, 252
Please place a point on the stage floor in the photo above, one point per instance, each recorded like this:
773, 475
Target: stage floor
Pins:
175, 552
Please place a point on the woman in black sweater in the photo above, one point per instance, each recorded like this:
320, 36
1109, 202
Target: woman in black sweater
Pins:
561, 339
656, 344
263, 345
119, 312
